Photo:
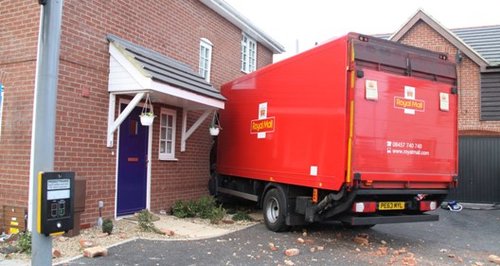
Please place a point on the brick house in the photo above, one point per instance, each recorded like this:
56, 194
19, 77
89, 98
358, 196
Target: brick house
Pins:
477, 53
114, 55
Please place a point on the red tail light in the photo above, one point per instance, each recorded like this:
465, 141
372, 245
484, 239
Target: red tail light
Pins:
369, 206
428, 205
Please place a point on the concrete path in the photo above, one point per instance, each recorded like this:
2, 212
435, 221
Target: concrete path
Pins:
192, 230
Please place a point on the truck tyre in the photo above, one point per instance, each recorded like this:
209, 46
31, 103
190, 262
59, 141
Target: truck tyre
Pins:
274, 210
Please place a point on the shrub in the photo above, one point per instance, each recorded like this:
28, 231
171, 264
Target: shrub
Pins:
107, 226
24, 242
241, 216
145, 219
184, 209
205, 208
217, 214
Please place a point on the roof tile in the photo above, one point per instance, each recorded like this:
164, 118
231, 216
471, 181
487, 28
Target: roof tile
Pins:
167, 70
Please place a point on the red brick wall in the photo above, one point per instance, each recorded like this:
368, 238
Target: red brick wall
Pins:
19, 22
422, 35
173, 28
188, 177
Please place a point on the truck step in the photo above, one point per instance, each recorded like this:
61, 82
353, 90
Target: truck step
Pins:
238, 194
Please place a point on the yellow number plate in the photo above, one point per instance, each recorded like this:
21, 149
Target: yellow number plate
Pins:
391, 205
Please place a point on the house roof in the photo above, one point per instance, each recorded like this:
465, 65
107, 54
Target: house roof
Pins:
484, 40
240, 21
446, 33
164, 69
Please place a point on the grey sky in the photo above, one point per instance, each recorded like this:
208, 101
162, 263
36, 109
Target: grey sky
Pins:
320, 20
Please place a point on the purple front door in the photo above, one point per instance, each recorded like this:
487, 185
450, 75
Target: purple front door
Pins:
132, 164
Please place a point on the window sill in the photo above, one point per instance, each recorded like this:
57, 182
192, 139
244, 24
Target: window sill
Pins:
248, 72
168, 159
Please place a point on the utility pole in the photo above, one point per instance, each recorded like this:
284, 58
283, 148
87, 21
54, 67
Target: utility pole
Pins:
44, 118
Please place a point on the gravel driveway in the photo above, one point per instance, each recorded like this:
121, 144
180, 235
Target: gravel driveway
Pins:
465, 238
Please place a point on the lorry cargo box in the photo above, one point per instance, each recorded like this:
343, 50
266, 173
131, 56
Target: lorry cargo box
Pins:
357, 115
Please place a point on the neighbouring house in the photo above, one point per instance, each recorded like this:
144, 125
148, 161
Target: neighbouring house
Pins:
477, 53
114, 56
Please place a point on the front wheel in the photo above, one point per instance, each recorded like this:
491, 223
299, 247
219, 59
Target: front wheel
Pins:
274, 209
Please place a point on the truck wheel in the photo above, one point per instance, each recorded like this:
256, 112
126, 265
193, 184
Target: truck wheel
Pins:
275, 210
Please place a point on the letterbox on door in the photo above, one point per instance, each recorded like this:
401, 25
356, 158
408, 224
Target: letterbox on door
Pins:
55, 202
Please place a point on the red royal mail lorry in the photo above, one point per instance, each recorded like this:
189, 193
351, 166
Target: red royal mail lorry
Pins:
359, 130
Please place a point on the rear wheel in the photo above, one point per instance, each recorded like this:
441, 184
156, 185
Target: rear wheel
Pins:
274, 209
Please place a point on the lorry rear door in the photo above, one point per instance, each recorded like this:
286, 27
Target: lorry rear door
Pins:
405, 122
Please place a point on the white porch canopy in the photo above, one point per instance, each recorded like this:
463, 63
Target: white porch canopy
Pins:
136, 71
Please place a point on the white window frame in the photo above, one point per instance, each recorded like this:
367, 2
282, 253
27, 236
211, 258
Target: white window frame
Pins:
167, 156
205, 63
248, 54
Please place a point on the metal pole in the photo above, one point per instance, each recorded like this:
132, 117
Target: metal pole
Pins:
44, 118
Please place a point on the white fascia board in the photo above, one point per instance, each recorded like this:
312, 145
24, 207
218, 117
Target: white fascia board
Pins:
183, 94
233, 16
131, 65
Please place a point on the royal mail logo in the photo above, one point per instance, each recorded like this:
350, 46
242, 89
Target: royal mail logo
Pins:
408, 103
262, 125
402, 103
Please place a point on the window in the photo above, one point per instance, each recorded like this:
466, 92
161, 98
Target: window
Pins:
205, 58
1, 106
167, 134
248, 54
